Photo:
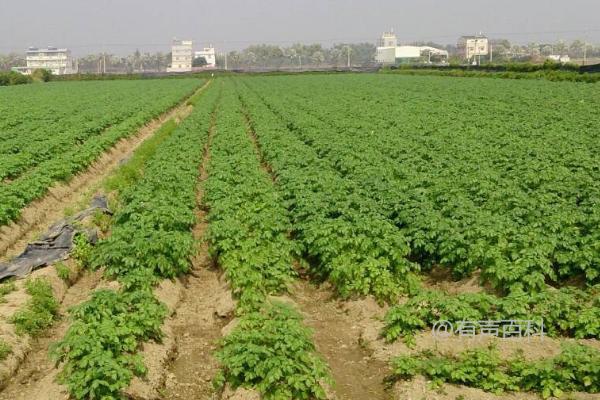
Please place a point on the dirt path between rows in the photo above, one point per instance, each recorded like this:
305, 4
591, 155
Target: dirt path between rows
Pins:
207, 306
36, 373
40, 214
357, 376
35, 378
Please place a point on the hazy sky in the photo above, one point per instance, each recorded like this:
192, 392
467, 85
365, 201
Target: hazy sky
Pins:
121, 26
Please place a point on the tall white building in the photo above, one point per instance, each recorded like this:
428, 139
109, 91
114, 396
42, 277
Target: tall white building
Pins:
386, 48
472, 48
58, 61
209, 55
182, 54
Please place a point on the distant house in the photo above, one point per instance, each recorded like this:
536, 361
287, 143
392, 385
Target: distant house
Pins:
58, 61
208, 53
471, 48
182, 54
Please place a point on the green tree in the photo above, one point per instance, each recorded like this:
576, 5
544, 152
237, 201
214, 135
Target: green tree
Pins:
199, 62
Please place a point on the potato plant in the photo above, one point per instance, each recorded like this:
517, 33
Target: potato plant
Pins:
67, 126
150, 240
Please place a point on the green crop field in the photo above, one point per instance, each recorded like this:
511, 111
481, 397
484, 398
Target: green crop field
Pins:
417, 199
50, 132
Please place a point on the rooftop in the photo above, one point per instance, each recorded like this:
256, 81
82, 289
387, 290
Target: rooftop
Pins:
49, 49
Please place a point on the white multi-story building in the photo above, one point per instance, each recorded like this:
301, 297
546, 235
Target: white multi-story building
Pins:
386, 48
182, 54
58, 61
208, 53
471, 48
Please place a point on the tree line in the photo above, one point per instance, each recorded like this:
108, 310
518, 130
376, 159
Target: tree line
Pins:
310, 56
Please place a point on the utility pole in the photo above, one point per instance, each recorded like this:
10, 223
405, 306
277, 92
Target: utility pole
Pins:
300, 61
491, 53
584, 52
348, 49
226, 61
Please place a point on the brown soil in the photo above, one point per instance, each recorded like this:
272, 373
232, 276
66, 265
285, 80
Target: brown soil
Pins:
21, 345
38, 215
35, 378
420, 389
28, 372
441, 279
157, 354
336, 333
239, 394
206, 308
368, 316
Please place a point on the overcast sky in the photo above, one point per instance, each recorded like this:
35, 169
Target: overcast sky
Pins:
121, 26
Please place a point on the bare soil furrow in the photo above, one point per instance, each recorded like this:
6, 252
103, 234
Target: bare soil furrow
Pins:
35, 378
207, 306
357, 375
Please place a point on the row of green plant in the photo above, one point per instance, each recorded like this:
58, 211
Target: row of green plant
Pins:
564, 312
343, 235
150, 240
248, 226
550, 75
38, 314
548, 65
514, 197
270, 349
68, 127
465, 197
90, 108
40, 311
576, 368
6, 287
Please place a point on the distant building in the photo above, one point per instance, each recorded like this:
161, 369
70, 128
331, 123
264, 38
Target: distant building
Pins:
386, 48
209, 55
471, 48
388, 51
420, 54
182, 55
58, 61
388, 39
559, 58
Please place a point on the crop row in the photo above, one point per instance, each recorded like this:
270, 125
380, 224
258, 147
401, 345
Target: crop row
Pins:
497, 198
437, 188
568, 311
342, 233
576, 368
66, 116
150, 240
269, 349
52, 146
